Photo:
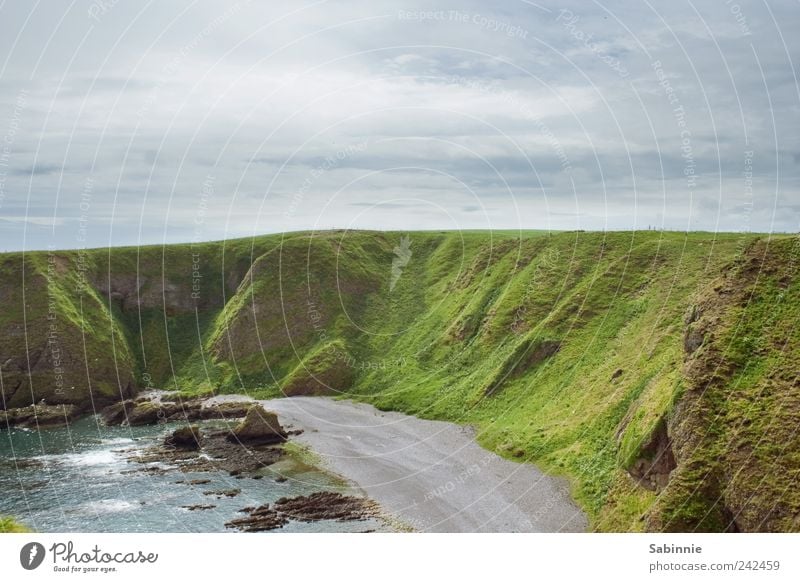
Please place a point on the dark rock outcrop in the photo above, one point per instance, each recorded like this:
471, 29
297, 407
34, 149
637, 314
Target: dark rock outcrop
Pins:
261, 518
214, 452
146, 411
656, 462
258, 428
325, 505
186, 437
117, 413
39, 415
149, 413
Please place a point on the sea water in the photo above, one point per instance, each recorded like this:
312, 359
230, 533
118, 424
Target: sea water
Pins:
80, 479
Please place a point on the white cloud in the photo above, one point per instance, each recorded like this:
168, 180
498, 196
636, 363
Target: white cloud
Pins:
147, 101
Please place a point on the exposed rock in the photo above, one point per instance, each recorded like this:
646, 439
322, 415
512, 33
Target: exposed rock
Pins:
147, 413
656, 461
692, 339
186, 437
198, 506
259, 519
326, 505
215, 453
223, 493
315, 507
224, 410
146, 410
117, 413
39, 415
692, 315
259, 427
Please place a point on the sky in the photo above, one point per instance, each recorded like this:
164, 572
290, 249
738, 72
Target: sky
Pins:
128, 122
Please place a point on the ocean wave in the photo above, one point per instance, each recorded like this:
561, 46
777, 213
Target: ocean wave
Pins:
107, 506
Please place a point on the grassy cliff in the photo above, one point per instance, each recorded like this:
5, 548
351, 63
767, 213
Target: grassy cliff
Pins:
657, 371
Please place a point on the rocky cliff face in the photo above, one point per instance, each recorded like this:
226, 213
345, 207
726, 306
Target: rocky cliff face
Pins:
735, 429
657, 371
59, 343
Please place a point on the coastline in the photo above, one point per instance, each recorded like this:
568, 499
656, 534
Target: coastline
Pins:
431, 475
423, 475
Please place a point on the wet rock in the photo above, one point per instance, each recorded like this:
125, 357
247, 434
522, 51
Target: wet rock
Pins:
186, 437
261, 518
146, 413
326, 505
215, 453
117, 413
223, 493
39, 415
315, 507
259, 427
198, 506
146, 410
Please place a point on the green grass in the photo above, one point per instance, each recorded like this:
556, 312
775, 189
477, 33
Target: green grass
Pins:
563, 349
10, 525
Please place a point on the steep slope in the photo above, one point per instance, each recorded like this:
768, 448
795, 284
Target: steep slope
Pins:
58, 339
657, 371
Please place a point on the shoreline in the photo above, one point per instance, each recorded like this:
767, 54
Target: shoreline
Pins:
426, 475
431, 475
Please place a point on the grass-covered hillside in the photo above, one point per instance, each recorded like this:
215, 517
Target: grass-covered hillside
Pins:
656, 371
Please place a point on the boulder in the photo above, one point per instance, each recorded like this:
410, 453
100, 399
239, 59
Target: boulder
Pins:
149, 413
259, 427
186, 437
117, 413
182, 410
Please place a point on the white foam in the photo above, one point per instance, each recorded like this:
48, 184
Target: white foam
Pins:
117, 441
102, 459
108, 506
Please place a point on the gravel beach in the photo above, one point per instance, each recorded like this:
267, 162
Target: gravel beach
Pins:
431, 475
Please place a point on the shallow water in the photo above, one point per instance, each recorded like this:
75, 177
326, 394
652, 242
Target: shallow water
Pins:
79, 479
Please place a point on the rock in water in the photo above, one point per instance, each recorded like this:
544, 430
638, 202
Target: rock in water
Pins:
186, 437
39, 415
259, 519
117, 413
260, 427
145, 413
326, 505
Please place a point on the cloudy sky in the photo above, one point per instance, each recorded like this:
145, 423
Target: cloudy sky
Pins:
129, 122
